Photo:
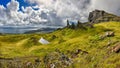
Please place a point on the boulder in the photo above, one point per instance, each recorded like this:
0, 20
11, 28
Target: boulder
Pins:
116, 48
109, 34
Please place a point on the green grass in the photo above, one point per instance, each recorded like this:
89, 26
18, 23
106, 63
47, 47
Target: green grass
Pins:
67, 40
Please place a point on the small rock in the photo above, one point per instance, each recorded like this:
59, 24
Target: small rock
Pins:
28, 65
116, 48
110, 34
74, 55
52, 65
102, 37
85, 52
37, 60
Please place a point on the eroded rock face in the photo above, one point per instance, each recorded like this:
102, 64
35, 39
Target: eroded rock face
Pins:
98, 16
95, 15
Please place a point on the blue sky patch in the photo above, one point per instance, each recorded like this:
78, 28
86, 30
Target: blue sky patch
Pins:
4, 2
21, 3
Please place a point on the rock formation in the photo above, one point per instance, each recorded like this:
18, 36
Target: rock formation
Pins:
98, 16
78, 25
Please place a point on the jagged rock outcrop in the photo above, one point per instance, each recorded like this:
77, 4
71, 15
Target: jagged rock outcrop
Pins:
98, 16
78, 25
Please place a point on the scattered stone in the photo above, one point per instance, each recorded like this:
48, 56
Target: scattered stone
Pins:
28, 65
85, 53
110, 34
102, 37
37, 60
64, 57
107, 34
52, 65
74, 55
116, 48
66, 61
46, 60
61, 58
109, 43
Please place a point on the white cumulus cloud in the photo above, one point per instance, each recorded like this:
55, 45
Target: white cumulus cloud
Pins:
11, 15
78, 9
54, 12
112, 6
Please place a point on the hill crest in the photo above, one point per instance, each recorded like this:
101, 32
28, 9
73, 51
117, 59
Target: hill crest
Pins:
98, 16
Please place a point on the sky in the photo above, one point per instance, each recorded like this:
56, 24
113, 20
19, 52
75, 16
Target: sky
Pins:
51, 12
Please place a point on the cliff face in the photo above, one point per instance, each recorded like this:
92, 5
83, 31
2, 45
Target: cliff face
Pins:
98, 16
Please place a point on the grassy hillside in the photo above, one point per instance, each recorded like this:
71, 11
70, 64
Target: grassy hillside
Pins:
94, 51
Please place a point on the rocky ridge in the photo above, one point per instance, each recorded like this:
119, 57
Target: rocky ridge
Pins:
98, 16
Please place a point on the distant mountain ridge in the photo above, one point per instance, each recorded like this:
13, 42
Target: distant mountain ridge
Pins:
98, 16
42, 30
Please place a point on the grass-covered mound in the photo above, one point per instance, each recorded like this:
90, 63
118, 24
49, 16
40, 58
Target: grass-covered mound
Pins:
71, 48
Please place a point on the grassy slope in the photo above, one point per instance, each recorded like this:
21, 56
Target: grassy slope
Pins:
67, 39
